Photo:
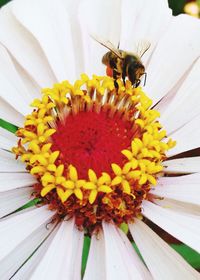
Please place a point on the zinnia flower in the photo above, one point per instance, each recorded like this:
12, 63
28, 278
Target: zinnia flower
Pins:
94, 158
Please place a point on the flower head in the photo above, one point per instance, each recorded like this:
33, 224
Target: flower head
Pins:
100, 153
94, 152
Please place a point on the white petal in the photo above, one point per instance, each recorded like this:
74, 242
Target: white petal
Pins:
163, 262
185, 227
63, 257
96, 268
115, 264
187, 100
7, 155
26, 49
31, 86
7, 139
27, 269
13, 199
16, 233
9, 114
52, 30
187, 137
95, 19
167, 56
178, 206
121, 261
9, 164
141, 269
139, 18
71, 7
185, 192
182, 165
190, 179
11, 96
12, 89
15, 180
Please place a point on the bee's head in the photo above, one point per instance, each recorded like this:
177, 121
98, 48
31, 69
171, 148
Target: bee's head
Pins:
140, 73
139, 70
107, 58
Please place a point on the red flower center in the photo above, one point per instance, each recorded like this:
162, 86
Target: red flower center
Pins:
92, 140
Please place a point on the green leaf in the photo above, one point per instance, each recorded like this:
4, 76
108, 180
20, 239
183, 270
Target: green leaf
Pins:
191, 256
8, 126
86, 247
29, 204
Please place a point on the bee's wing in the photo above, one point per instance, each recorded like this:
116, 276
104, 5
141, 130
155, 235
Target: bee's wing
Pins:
141, 47
108, 45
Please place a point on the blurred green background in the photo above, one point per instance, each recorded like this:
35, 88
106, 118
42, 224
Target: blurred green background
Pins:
2, 2
176, 5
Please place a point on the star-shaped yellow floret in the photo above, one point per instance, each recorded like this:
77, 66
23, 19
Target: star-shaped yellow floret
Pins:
148, 169
72, 185
52, 180
38, 117
122, 176
58, 93
46, 160
133, 162
45, 103
37, 153
101, 184
40, 136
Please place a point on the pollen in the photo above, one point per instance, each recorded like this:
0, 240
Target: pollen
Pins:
95, 150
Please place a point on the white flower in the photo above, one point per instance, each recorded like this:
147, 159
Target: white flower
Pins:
47, 41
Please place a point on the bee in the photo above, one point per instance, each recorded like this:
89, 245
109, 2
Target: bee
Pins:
122, 64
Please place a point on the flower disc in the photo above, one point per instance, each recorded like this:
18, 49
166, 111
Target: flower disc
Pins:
94, 149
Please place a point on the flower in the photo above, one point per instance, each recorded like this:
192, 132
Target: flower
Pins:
71, 157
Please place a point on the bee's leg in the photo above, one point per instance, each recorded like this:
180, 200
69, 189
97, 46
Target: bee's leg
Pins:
124, 78
116, 84
115, 76
137, 83
124, 75
145, 78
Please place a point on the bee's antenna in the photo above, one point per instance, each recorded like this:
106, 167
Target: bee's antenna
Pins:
118, 45
145, 49
145, 79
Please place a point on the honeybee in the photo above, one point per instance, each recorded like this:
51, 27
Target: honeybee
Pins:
122, 64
